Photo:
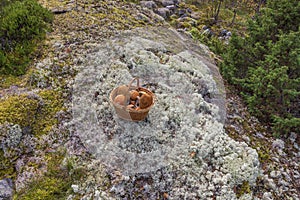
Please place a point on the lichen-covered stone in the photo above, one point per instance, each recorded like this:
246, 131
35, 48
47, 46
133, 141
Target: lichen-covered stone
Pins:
6, 189
183, 135
13, 136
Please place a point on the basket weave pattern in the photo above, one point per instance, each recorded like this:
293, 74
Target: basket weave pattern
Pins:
130, 114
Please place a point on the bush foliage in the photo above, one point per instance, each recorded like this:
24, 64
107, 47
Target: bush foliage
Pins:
265, 65
22, 25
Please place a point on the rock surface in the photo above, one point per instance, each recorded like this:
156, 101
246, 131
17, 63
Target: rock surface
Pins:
6, 189
77, 32
183, 133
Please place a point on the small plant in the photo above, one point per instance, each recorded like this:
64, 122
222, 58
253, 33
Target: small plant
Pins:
55, 183
212, 42
242, 189
22, 25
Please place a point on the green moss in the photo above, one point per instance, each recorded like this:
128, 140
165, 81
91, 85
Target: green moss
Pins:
122, 18
33, 112
7, 169
242, 189
262, 148
52, 103
263, 155
55, 183
18, 110
8, 80
48, 188
246, 127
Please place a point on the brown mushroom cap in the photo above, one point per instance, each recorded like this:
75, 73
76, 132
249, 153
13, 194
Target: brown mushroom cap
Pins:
134, 94
123, 89
120, 99
145, 100
130, 106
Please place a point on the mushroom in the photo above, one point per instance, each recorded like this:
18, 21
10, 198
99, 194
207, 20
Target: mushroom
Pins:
145, 100
134, 94
120, 99
124, 90
130, 106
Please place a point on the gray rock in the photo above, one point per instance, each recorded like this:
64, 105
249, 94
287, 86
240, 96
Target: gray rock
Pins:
297, 147
223, 32
181, 12
278, 144
293, 137
271, 184
275, 174
267, 196
6, 189
195, 15
148, 4
208, 32
142, 17
168, 2
13, 136
259, 135
189, 10
228, 34
97, 195
163, 12
172, 8
275, 159
75, 188
148, 152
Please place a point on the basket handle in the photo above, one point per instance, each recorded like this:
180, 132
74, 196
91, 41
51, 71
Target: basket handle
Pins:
137, 82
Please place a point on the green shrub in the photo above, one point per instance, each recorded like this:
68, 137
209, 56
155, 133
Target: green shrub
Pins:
285, 125
22, 25
265, 65
212, 42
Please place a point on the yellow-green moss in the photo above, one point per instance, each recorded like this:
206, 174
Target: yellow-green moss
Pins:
52, 103
18, 109
48, 188
9, 80
263, 154
122, 19
7, 169
28, 111
242, 189
54, 184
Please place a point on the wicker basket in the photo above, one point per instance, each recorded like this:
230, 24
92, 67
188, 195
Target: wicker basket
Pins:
130, 114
